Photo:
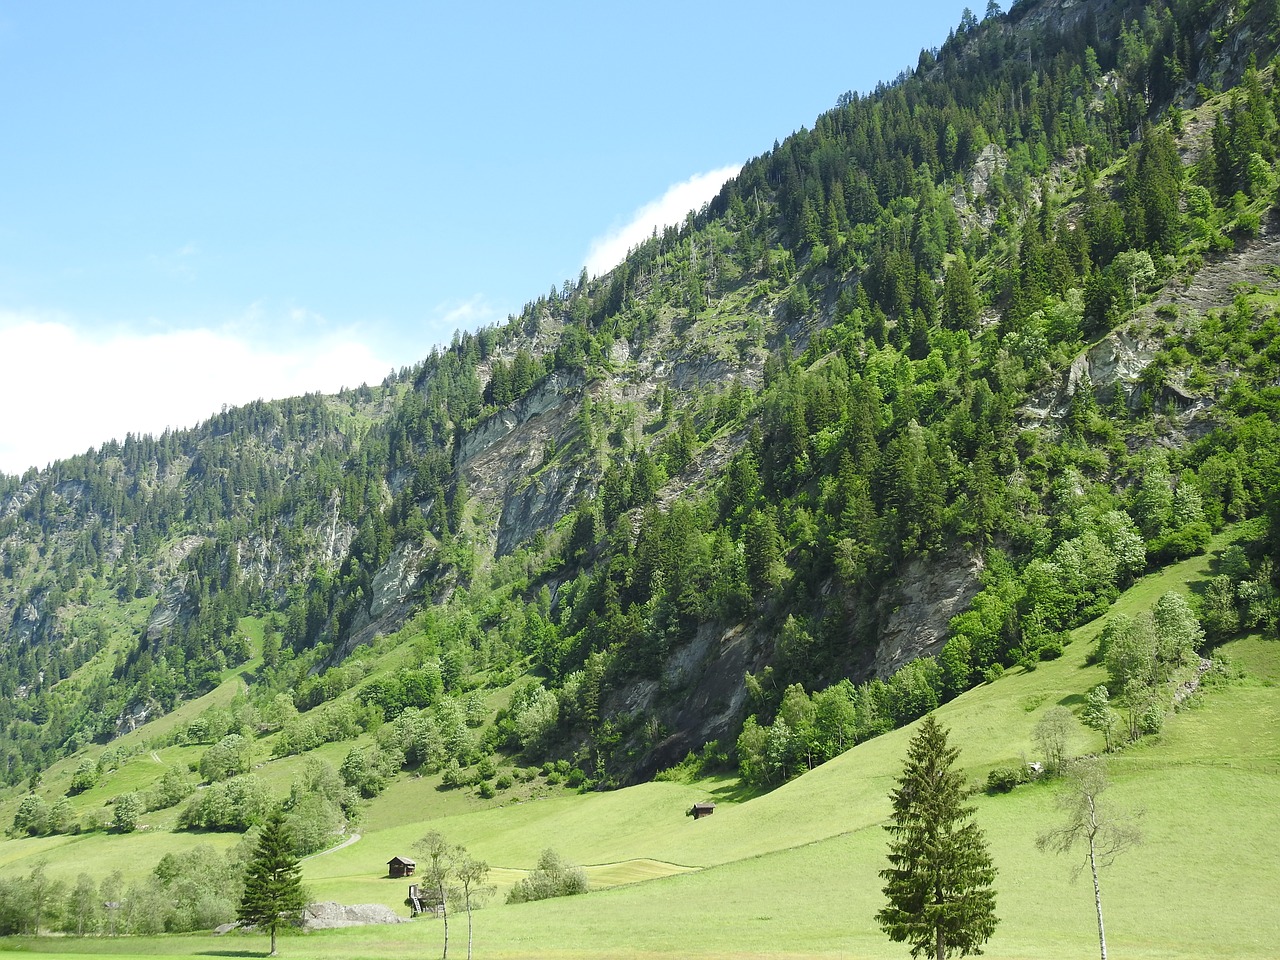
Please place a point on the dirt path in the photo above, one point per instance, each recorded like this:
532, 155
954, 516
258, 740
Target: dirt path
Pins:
345, 843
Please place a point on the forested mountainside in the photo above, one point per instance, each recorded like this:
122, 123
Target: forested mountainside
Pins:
920, 390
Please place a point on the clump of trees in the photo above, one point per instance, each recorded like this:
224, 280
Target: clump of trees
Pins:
196, 890
229, 757
809, 729
232, 805
451, 874
1142, 655
552, 877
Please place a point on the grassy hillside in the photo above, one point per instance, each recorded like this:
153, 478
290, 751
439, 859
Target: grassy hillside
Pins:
794, 872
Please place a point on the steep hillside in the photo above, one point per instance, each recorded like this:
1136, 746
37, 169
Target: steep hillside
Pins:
924, 388
664, 884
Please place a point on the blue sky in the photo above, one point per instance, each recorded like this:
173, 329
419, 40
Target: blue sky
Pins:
206, 203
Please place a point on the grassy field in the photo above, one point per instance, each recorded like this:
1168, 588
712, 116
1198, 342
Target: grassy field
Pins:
794, 872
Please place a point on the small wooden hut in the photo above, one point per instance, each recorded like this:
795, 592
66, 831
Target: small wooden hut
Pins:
423, 900
704, 809
400, 867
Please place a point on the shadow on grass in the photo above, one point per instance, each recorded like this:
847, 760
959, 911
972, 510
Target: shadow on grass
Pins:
234, 953
1071, 700
736, 792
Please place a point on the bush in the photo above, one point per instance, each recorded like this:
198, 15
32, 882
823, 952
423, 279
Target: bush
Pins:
1189, 540
32, 818
1052, 649
128, 808
456, 775
1151, 719
1247, 223
170, 790
486, 790
553, 877
85, 777
1004, 779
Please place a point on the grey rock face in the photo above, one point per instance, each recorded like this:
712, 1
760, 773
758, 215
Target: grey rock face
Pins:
329, 915
928, 595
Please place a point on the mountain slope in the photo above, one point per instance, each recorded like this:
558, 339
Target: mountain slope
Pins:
788, 440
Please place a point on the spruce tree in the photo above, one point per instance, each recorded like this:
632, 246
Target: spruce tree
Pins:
273, 891
939, 878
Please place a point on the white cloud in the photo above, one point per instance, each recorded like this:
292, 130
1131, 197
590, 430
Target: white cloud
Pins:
609, 250
63, 389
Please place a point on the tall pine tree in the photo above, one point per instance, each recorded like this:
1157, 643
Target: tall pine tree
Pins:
273, 893
939, 878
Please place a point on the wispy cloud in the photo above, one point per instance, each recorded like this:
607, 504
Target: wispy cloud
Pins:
609, 250
468, 314
179, 263
66, 389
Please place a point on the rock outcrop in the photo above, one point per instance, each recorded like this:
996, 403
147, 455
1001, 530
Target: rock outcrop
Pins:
925, 598
329, 915
506, 466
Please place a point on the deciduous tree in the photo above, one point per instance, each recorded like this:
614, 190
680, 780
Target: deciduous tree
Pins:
439, 855
471, 874
1103, 833
1052, 734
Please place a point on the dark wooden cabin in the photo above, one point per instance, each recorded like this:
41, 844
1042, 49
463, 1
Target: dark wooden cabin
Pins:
398, 867
704, 809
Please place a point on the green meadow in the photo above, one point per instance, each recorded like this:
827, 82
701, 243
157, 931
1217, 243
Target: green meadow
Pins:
794, 872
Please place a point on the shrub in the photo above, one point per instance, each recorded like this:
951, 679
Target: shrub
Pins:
1187, 541
552, 877
170, 790
85, 777
456, 775
128, 808
32, 818
1004, 779
1151, 719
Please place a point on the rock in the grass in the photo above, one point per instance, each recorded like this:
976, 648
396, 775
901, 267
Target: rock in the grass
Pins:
222, 928
329, 915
